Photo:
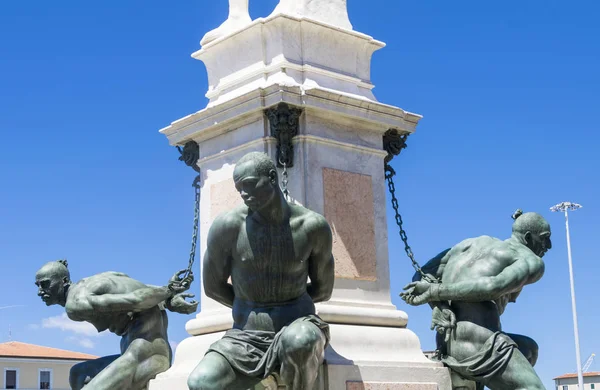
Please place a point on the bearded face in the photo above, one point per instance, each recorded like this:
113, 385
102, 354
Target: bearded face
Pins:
51, 282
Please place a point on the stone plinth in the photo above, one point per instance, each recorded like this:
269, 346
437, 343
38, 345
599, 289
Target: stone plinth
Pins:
288, 50
338, 171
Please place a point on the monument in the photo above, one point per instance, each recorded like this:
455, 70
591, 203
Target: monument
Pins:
126, 307
296, 86
478, 278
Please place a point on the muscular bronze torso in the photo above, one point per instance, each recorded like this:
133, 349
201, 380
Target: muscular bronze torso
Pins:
269, 270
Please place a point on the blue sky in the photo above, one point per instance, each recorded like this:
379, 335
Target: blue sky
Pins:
508, 91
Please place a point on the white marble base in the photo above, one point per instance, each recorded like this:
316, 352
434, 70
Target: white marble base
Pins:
288, 49
303, 56
187, 356
355, 354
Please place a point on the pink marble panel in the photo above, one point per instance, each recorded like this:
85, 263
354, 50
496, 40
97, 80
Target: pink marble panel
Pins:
349, 210
223, 197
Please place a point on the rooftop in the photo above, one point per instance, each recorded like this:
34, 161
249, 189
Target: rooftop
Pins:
586, 374
29, 351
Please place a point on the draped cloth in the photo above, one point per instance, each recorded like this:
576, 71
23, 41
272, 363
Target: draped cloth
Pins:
491, 359
257, 353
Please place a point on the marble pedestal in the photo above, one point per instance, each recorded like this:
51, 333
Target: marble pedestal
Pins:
338, 171
358, 358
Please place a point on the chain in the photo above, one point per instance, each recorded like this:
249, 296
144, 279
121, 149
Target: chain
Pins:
196, 186
284, 180
389, 176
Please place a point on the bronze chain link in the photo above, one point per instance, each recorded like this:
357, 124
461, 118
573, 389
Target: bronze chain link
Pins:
196, 186
284, 180
389, 176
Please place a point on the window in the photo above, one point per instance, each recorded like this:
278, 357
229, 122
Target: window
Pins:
592, 386
565, 387
10, 378
45, 378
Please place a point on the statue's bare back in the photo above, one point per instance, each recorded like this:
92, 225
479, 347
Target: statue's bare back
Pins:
488, 257
478, 278
79, 308
126, 307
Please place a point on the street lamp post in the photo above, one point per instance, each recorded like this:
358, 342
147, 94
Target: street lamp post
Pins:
565, 207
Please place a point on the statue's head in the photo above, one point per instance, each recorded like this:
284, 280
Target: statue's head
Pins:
533, 230
53, 280
255, 178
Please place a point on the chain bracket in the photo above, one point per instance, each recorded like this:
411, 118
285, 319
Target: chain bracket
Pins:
393, 144
284, 124
190, 154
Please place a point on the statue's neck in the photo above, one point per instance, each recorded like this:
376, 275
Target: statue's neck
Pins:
518, 239
275, 213
66, 294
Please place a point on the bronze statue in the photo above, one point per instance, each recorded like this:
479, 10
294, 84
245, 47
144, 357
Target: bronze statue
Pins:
115, 302
269, 248
478, 278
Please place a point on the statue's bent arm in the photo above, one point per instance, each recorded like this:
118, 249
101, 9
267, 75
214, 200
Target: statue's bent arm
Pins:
321, 263
435, 266
136, 301
217, 262
511, 279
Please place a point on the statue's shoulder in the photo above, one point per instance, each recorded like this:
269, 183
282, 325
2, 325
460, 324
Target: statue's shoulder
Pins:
109, 274
486, 240
310, 220
231, 219
77, 304
476, 242
510, 252
523, 252
97, 283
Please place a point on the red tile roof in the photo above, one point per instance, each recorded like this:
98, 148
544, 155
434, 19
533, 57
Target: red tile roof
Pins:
595, 373
23, 350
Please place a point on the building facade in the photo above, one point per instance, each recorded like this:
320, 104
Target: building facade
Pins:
591, 381
33, 367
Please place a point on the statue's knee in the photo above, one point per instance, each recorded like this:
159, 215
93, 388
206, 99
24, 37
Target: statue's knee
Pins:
533, 351
76, 371
530, 349
302, 341
78, 375
202, 379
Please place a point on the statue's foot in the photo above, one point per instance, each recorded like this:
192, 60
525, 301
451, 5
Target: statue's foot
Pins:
230, 25
460, 383
269, 383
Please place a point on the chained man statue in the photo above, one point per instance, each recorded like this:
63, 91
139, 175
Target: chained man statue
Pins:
269, 248
478, 278
133, 310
